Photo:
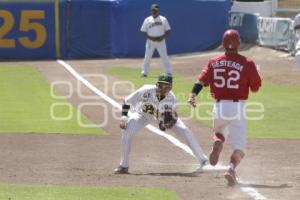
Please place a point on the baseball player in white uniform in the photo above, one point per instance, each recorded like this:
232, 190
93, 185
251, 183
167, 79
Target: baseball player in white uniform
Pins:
147, 105
155, 28
297, 31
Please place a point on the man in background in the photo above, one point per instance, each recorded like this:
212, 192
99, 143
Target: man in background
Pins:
155, 28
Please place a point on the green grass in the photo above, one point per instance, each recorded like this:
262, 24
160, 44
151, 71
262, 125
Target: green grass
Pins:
25, 103
282, 112
281, 104
18, 192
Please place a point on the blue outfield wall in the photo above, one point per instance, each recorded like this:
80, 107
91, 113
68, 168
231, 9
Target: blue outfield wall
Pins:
90, 29
246, 24
196, 25
103, 28
28, 30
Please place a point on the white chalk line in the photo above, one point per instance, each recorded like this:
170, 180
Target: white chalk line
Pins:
248, 190
207, 168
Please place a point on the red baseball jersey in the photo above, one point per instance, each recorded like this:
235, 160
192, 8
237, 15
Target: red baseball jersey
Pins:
230, 76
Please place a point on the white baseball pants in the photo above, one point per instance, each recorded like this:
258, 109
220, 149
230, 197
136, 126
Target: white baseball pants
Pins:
137, 121
230, 119
162, 50
297, 55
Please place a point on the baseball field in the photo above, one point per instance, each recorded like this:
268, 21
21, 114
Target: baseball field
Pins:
60, 136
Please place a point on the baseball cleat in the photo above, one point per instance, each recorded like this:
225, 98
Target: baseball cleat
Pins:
215, 153
198, 170
203, 163
231, 177
200, 167
121, 170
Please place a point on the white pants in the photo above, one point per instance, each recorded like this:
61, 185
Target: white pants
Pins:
137, 121
229, 119
162, 50
297, 55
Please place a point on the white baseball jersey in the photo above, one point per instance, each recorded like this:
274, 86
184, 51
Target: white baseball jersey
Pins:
145, 102
155, 27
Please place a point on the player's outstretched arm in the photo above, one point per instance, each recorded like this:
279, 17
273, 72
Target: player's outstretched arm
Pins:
255, 79
192, 100
195, 91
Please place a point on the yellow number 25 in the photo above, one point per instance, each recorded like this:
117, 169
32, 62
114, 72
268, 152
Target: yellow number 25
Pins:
25, 26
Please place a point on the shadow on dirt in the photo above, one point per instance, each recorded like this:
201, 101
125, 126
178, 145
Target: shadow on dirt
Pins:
181, 174
282, 186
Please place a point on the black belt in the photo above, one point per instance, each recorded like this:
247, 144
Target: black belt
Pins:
233, 100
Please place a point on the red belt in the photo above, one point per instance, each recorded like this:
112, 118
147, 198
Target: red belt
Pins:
233, 100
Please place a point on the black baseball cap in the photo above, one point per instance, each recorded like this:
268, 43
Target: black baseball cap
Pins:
165, 78
154, 7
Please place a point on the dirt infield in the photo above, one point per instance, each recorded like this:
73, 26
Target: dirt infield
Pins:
271, 167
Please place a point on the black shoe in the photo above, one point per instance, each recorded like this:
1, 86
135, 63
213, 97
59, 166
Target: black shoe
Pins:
143, 75
121, 170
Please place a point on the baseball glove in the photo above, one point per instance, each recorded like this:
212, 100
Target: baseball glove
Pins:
168, 120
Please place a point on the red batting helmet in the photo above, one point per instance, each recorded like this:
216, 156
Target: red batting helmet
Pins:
231, 39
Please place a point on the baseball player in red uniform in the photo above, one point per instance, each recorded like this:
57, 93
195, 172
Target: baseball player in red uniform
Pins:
230, 76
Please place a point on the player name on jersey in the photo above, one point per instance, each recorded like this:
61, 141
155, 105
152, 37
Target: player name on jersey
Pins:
155, 24
228, 63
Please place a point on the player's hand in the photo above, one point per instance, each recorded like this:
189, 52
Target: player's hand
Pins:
192, 100
123, 123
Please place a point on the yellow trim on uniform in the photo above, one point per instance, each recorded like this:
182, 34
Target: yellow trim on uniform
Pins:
57, 32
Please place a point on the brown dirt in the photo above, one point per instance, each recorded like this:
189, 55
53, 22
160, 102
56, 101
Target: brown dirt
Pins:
272, 167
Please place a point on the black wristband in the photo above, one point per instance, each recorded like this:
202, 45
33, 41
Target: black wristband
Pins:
125, 109
197, 88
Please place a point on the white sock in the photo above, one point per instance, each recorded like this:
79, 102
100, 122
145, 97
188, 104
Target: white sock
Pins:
231, 166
